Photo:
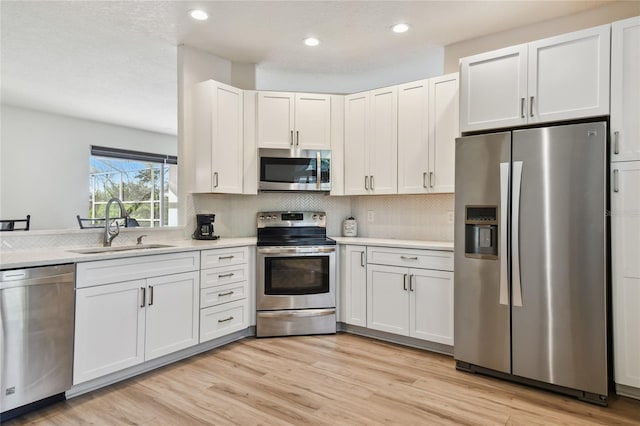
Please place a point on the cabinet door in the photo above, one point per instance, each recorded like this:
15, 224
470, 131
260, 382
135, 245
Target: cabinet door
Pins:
173, 306
313, 121
431, 305
388, 299
625, 252
625, 90
356, 139
443, 131
493, 89
355, 286
226, 140
413, 137
109, 329
275, 120
383, 152
202, 133
569, 76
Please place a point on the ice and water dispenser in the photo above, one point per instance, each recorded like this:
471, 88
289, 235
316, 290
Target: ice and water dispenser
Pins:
481, 232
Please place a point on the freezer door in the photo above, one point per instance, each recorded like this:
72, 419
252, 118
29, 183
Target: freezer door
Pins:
558, 256
481, 314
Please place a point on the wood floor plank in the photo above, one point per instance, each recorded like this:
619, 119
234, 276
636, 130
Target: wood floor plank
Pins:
324, 380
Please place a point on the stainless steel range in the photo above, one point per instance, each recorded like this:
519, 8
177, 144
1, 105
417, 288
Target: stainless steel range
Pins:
295, 278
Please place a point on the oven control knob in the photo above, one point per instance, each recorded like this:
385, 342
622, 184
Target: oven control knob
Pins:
315, 217
261, 217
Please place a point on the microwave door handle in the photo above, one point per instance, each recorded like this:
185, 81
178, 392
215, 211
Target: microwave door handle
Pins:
318, 170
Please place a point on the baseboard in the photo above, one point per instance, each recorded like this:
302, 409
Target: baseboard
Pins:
628, 391
127, 373
394, 338
145, 367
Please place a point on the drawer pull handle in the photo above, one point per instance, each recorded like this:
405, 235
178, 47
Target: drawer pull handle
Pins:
230, 274
409, 257
225, 320
225, 257
228, 293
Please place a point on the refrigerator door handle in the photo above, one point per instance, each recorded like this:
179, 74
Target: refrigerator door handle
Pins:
515, 234
502, 248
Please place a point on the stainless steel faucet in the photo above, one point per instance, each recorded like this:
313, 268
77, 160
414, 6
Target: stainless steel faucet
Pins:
109, 235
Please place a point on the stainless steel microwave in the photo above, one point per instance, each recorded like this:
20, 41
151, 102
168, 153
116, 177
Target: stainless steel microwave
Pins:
294, 170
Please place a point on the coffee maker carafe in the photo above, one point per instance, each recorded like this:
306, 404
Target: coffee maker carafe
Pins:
204, 229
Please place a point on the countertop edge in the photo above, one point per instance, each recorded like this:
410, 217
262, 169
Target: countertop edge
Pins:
389, 242
13, 259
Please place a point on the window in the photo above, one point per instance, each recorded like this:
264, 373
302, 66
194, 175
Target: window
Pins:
146, 183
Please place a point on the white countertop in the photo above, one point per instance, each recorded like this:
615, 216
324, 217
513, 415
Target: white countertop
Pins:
11, 259
387, 242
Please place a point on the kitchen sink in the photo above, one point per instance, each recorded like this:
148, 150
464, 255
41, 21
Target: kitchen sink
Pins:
95, 250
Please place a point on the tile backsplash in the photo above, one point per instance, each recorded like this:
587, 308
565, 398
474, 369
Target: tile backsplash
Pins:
411, 217
405, 217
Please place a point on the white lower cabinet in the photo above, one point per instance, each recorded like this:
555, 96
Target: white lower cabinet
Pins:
354, 285
123, 324
408, 292
172, 314
625, 253
108, 331
224, 288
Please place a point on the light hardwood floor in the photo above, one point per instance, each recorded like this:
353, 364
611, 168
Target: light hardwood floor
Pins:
325, 380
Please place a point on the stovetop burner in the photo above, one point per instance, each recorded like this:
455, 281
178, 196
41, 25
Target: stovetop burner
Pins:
288, 242
292, 229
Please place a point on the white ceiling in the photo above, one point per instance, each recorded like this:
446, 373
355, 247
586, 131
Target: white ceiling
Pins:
115, 61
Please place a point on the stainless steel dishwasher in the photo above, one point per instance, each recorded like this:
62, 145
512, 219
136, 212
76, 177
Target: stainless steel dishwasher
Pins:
36, 318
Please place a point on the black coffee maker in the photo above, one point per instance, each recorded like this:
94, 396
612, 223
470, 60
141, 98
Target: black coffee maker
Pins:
204, 230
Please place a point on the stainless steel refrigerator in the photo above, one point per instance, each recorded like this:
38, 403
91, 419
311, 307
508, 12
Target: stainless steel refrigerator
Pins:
531, 257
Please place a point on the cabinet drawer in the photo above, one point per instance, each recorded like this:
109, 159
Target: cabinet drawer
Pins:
221, 257
222, 294
136, 267
224, 319
223, 275
415, 258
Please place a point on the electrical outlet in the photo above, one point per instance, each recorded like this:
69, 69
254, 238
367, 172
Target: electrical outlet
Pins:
371, 216
450, 217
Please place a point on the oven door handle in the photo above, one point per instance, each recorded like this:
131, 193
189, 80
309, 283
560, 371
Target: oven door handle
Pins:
299, 313
304, 250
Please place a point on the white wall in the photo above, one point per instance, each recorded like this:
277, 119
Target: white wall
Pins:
44, 161
343, 83
608, 13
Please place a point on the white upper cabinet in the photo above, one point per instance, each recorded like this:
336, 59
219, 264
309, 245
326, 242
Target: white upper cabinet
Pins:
493, 89
413, 137
356, 136
569, 76
558, 78
625, 90
313, 121
371, 142
427, 128
218, 138
294, 120
383, 152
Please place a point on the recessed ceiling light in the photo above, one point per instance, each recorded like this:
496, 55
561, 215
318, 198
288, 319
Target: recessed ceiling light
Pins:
400, 28
311, 41
200, 15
